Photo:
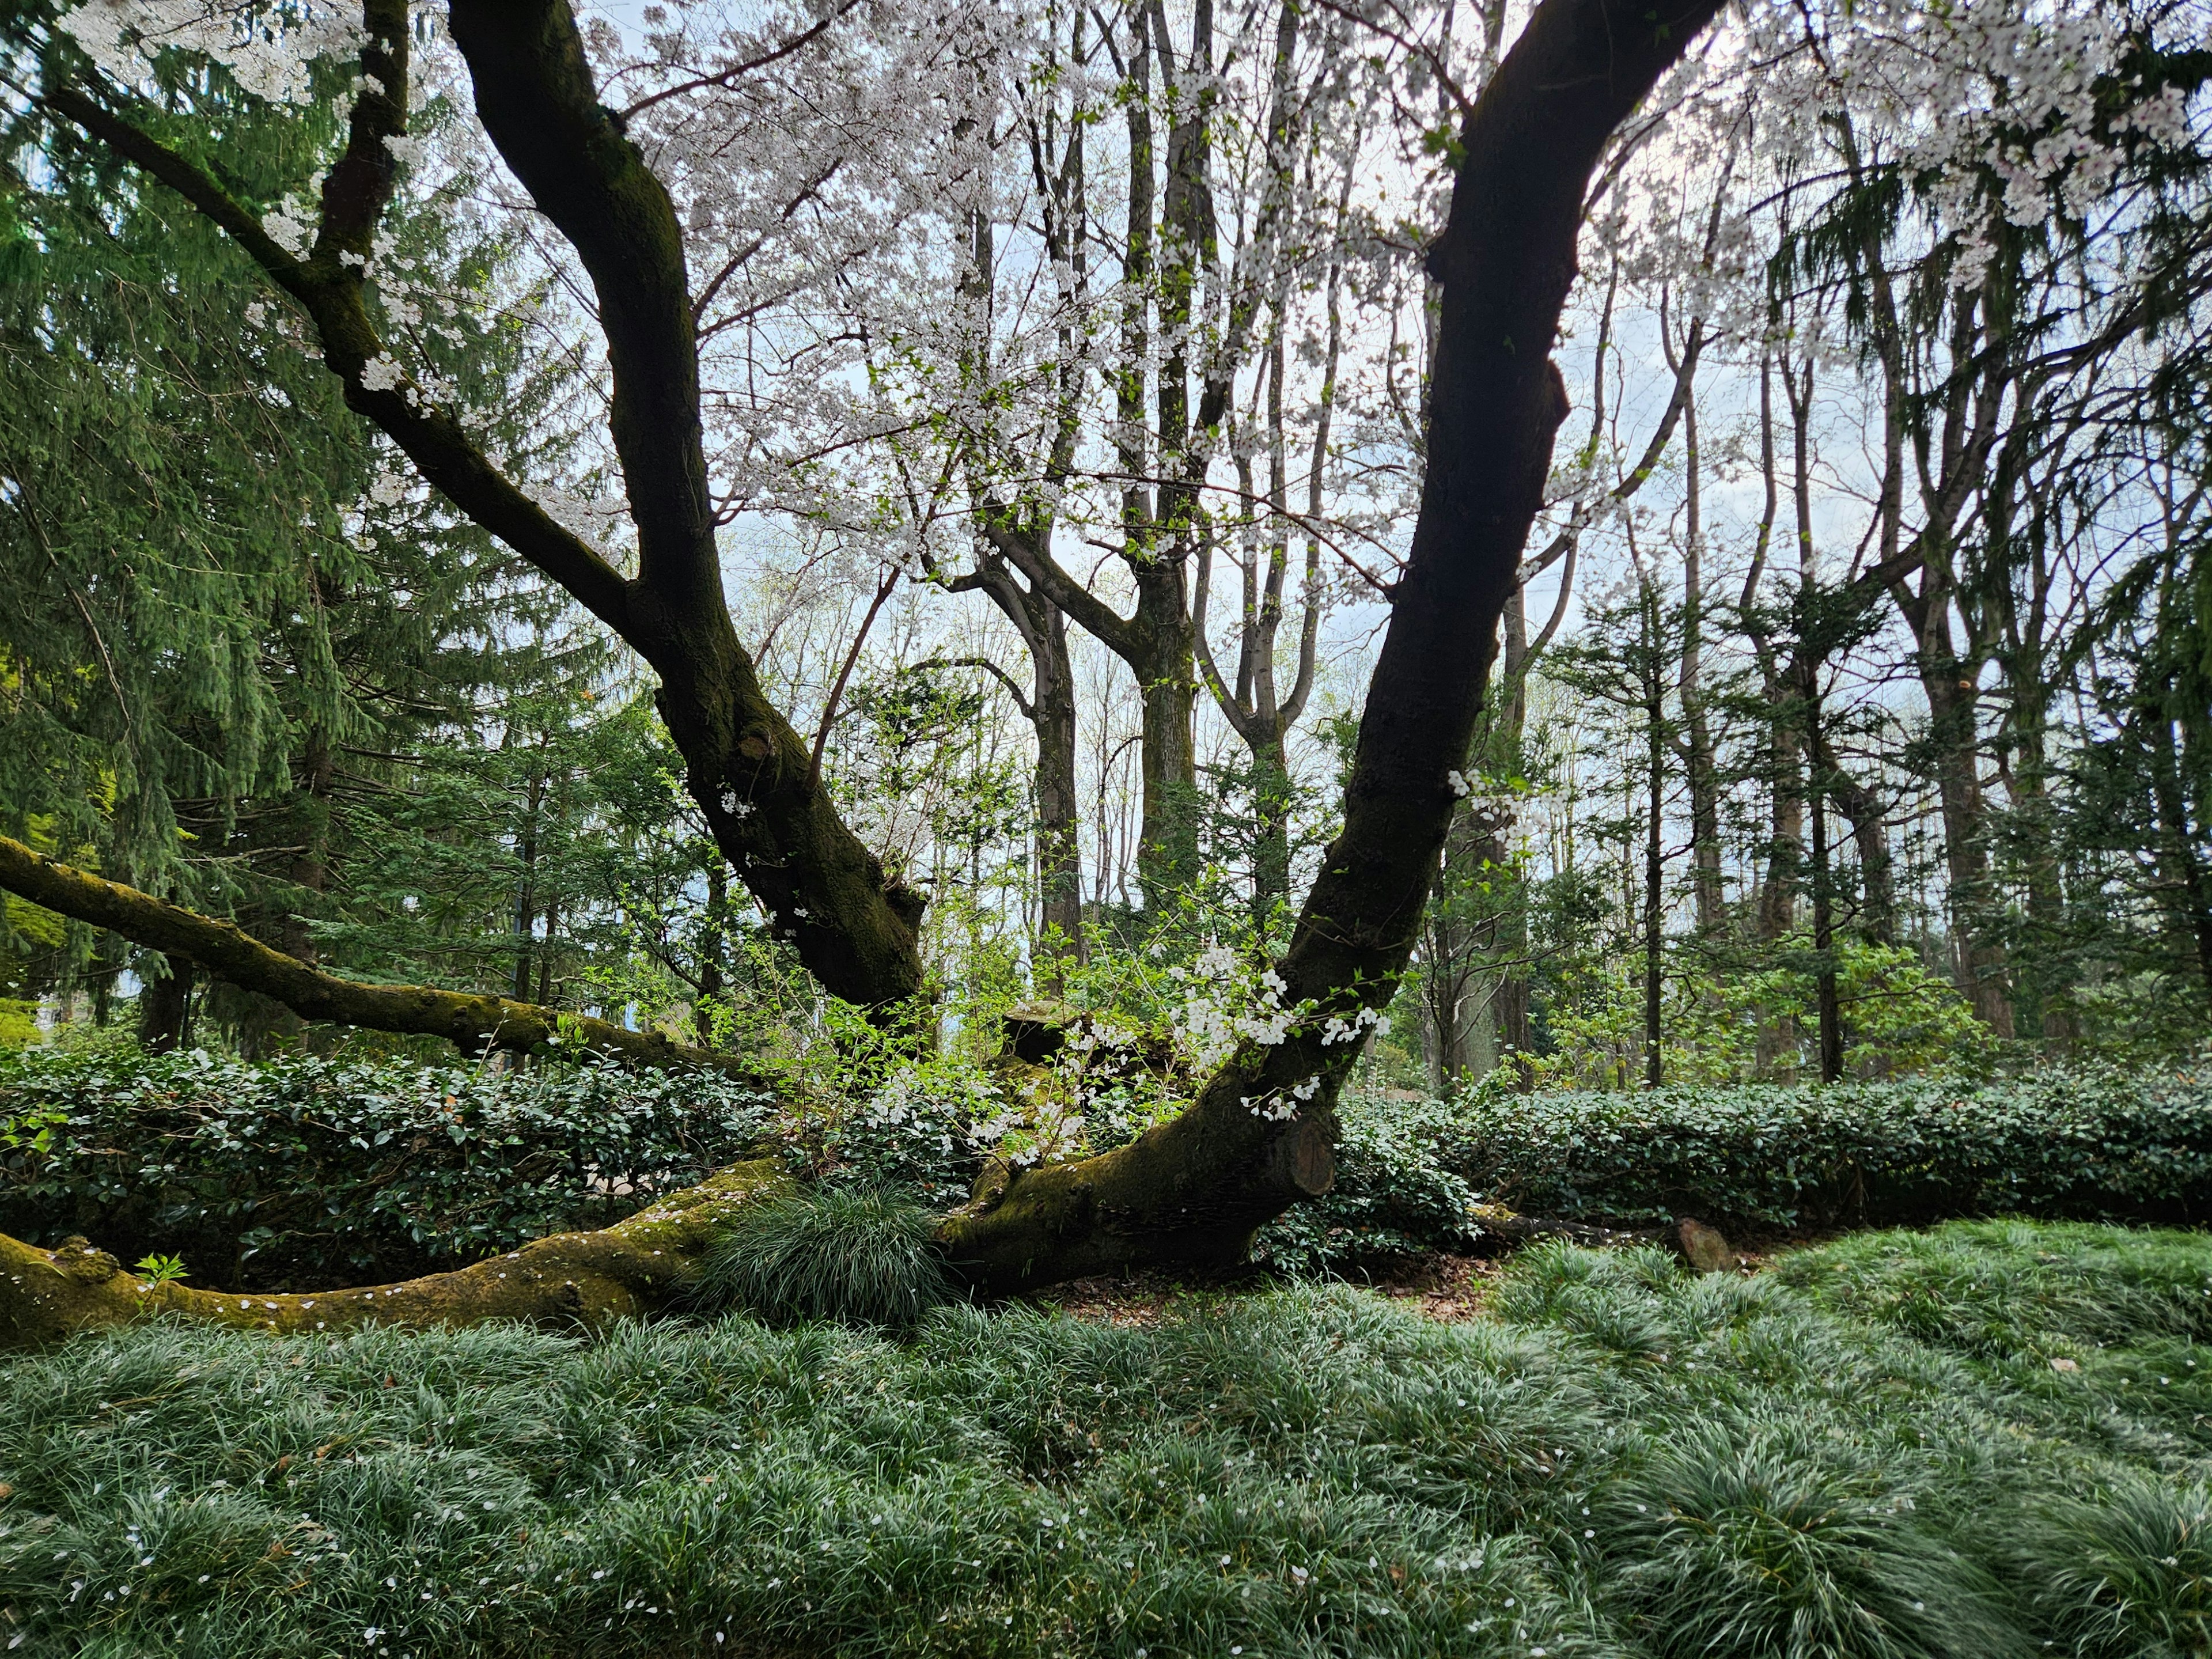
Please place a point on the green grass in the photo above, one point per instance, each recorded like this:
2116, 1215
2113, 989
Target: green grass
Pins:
1866, 1453
862, 1256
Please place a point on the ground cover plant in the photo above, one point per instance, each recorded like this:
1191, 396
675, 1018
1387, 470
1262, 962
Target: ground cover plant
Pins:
1988, 1439
2090, 1143
300, 1173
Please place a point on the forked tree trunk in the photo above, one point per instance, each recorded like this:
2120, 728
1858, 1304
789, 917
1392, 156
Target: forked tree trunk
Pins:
1261, 1133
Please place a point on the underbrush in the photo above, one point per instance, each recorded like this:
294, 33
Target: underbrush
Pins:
1993, 1439
2090, 1144
301, 1174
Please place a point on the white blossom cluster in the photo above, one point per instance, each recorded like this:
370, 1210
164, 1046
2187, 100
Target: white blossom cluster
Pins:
1225, 1004
1955, 94
270, 51
939, 1108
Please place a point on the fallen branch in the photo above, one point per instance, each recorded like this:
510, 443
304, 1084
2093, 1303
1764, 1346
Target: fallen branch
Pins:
476, 1022
575, 1281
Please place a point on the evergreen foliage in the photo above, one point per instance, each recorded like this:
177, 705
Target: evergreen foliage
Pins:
307, 1174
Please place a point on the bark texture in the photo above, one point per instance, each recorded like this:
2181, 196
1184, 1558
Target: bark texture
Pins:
577, 1281
226, 952
1261, 1133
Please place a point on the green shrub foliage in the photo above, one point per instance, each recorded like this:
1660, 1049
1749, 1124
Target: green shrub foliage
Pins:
2061, 1145
2089, 1145
1396, 1194
305, 1173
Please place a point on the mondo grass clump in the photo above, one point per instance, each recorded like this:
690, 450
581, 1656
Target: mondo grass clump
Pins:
861, 1256
1854, 1457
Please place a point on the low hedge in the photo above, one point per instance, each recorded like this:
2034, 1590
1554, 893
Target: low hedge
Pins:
1396, 1192
2058, 1144
308, 1173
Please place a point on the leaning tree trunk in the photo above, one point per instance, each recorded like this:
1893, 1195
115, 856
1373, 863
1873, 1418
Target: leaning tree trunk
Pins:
476, 1022
568, 1282
1261, 1133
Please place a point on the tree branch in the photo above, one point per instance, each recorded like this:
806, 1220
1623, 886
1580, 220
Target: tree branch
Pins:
1089, 612
330, 292
475, 1022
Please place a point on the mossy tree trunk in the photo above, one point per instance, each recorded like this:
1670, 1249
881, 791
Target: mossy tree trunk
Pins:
477, 1023
575, 1281
1261, 1133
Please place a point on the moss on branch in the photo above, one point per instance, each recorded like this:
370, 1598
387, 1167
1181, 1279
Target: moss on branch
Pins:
475, 1021
579, 1281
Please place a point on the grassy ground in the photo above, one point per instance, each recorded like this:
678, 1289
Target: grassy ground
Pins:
1986, 1440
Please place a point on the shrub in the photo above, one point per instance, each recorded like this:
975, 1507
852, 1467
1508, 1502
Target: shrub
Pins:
306, 1172
2089, 1145
1395, 1196
856, 1255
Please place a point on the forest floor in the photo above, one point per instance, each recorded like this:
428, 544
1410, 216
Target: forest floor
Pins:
1984, 1439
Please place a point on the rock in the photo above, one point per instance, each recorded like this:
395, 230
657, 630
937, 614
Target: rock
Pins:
1702, 1247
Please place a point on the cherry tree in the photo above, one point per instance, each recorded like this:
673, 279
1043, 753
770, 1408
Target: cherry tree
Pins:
1262, 1131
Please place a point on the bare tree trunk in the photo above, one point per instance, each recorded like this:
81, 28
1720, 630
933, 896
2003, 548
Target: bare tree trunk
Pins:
1655, 848
1059, 854
2046, 897
525, 895
1696, 722
2181, 872
713, 947
1824, 932
309, 870
1167, 752
162, 1003
1979, 960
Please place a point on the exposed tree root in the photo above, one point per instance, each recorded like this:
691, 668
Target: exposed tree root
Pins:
475, 1022
569, 1280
